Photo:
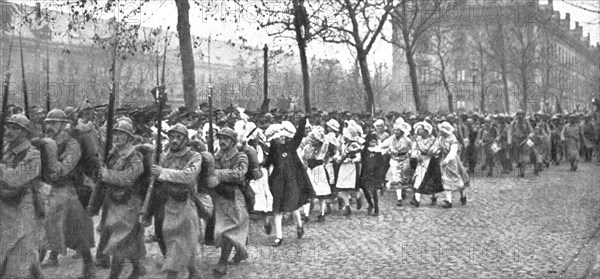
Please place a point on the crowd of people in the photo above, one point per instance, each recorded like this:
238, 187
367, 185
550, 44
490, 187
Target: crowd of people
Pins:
206, 182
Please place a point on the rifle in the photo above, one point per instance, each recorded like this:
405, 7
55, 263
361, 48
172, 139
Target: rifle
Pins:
47, 78
144, 212
5, 93
97, 196
24, 81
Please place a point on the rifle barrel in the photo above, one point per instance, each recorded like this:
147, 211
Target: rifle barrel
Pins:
47, 78
5, 93
24, 80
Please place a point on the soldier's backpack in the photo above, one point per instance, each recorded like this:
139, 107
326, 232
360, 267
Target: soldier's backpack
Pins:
143, 181
254, 172
90, 160
206, 181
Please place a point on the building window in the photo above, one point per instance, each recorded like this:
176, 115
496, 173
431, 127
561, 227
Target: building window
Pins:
61, 66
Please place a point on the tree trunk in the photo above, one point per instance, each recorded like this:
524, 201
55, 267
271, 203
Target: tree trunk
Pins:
482, 75
414, 81
445, 82
524, 104
505, 87
187, 54
366, 79
305, 75
264, 107
301, 40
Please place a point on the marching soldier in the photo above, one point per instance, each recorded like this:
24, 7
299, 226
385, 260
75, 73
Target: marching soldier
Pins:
231, 217
485, 139
589, 138
19, 221
555, 142
123, 202
471, 148
518, 132
571, 136
180, 227
67, 224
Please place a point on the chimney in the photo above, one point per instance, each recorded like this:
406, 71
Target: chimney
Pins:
551, 5
565, 24
556, 18
587, 40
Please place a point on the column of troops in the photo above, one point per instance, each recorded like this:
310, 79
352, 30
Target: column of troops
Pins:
54, 178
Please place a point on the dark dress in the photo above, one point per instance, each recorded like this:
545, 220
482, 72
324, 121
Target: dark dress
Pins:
372, 175
289, 183
432, 183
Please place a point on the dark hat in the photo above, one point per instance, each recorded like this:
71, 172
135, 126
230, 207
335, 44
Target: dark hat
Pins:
228, 132
370, 137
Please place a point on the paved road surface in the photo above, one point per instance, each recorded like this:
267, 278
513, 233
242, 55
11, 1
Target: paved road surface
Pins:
532, 227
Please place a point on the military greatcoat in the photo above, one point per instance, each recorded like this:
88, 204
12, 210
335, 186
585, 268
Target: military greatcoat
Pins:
67, 223
123, 204
232, 222
180, 226
19, 224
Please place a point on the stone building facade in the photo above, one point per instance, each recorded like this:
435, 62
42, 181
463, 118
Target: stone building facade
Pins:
548, 65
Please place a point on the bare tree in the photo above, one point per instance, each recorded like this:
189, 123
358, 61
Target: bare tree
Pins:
297, 20
413, 18
498, 45
443, 49
187, 54
359, 25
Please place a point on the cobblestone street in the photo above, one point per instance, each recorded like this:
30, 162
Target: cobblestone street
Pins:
532, 227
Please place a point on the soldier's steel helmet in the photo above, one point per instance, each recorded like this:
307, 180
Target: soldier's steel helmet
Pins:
56, 115
125, 127
21, 121
228, 132
179, 128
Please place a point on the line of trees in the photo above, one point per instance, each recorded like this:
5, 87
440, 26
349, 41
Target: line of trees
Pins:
504, 52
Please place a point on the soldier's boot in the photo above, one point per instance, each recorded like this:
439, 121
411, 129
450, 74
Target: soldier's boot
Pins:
193, 272
171, 274
221, 268
103, 261
136, 270
52, 260
115, 269
521, 170
35, 271
89, 268
42, 255
239, 256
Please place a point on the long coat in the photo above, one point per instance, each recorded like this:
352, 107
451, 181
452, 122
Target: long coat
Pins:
18, 222
124, 232
232, 222
289, 182
180, 224
67, 223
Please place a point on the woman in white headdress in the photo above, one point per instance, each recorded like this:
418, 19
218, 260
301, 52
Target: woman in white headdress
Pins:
263, 203
398, 147
289, 183
454, 177
317, 154
349, 159
427, 177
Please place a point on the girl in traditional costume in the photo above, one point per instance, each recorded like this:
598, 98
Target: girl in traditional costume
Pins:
427, 177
